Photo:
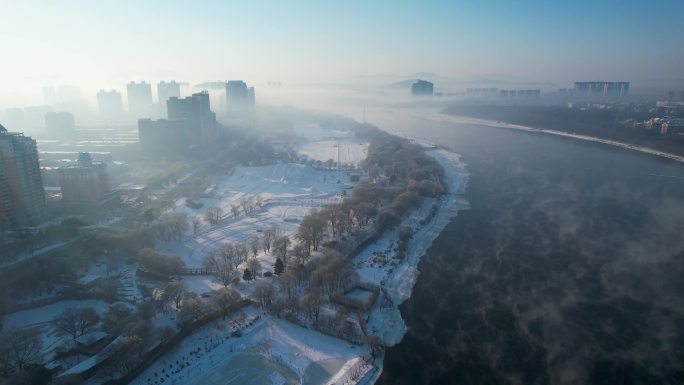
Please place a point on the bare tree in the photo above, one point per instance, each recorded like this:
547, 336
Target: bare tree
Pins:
254, 246
174, 291
269, 235
76, 322
173, 226
265, 293
235, 210
247, 203
333, 273
311, 303
288, 282
19, 348
196, 222
331, 214
311, 230
224, 298
259, 201
129, 354
241, 252
254, 267
280, 246
213, 215
220, 264
193, 310
300, 253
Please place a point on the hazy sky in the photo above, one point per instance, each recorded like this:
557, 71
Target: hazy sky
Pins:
106, 43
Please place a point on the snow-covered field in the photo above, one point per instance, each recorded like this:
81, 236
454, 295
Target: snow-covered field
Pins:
346, 151
286, 348
288, 190
269, 351
41, 318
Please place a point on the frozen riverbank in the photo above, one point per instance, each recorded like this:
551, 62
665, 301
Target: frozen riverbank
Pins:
397, 279
491, 123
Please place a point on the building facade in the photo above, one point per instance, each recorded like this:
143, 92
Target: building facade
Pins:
60, 123
84, 184
601, 89
239, 97
190, 123
22, 197
139, 99
109, 104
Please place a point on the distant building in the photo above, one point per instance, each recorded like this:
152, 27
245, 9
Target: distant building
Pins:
239, 97
422, 88
60, 123
601, 89
533, 94
22, 197
672, 127
110, 105
166, 91
196, 111
483, 92
139, 99
164, 137
190, 122
49, 96
84, 185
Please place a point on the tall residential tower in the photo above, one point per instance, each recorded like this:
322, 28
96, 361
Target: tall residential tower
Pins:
22, 197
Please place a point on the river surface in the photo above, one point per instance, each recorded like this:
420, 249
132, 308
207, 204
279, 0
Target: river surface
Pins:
567, 269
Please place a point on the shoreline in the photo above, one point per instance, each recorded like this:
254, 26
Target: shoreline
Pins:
586, 138
401, 281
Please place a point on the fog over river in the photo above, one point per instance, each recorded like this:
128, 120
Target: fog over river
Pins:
567, 269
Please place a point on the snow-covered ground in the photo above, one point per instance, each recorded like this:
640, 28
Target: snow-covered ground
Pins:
288, 191
41, 318
269, 351
347, 151
286, 348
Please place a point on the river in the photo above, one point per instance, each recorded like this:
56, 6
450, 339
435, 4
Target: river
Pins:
567, 269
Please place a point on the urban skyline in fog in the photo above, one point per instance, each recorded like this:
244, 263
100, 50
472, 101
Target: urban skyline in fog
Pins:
312, 42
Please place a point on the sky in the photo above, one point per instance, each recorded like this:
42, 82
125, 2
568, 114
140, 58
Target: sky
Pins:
108, 43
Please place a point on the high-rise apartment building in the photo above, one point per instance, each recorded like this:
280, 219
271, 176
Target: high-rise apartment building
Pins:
139, 99
109, 104
167, 90
239, 97
196, 111
60, 123
22, 197
190, 122
601, 89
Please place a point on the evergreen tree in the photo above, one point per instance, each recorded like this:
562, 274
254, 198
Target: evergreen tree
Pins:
279, 267
247, 275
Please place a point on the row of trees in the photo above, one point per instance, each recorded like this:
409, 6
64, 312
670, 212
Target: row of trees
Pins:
159, 262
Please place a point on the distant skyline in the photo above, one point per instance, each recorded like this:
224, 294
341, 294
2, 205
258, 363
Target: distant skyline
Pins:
105, 44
